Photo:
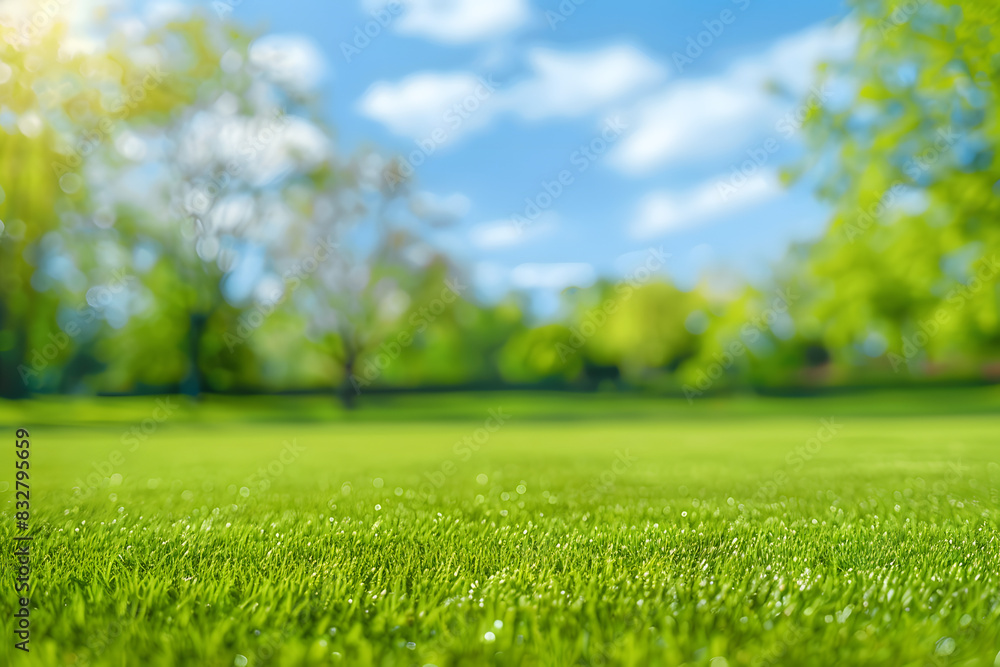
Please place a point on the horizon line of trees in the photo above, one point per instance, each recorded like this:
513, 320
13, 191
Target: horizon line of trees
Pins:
176, 216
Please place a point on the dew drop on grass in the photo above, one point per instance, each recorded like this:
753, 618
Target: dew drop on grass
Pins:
945, 646
240, 661
489, 636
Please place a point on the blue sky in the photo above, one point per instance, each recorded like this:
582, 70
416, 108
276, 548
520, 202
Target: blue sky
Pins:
557, 81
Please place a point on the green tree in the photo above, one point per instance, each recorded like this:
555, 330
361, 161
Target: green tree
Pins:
906, 153
63, 105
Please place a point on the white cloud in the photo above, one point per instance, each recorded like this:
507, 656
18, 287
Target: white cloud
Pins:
554, 276
692, 119
440, 210
424, 102
573, 84
559, 85
457, 21
288, 60
662, 212
713, 116
503, 233
500, 234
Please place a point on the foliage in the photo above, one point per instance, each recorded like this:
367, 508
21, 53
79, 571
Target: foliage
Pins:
906, 152
177, 215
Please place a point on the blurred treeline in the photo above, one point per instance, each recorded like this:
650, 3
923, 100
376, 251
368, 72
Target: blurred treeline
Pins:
176, 216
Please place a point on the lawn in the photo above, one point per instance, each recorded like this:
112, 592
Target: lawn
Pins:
504, 529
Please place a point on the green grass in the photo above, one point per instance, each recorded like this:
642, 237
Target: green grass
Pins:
721, 541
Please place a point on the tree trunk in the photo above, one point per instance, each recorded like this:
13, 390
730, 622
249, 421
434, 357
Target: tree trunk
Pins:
12, 383
348, 391
194, 384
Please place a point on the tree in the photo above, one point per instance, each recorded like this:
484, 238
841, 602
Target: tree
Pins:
368, 212
638, 328
247, 141
906, 153
53, 272
165, 172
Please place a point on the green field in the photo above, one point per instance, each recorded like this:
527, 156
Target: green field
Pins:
583, 530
